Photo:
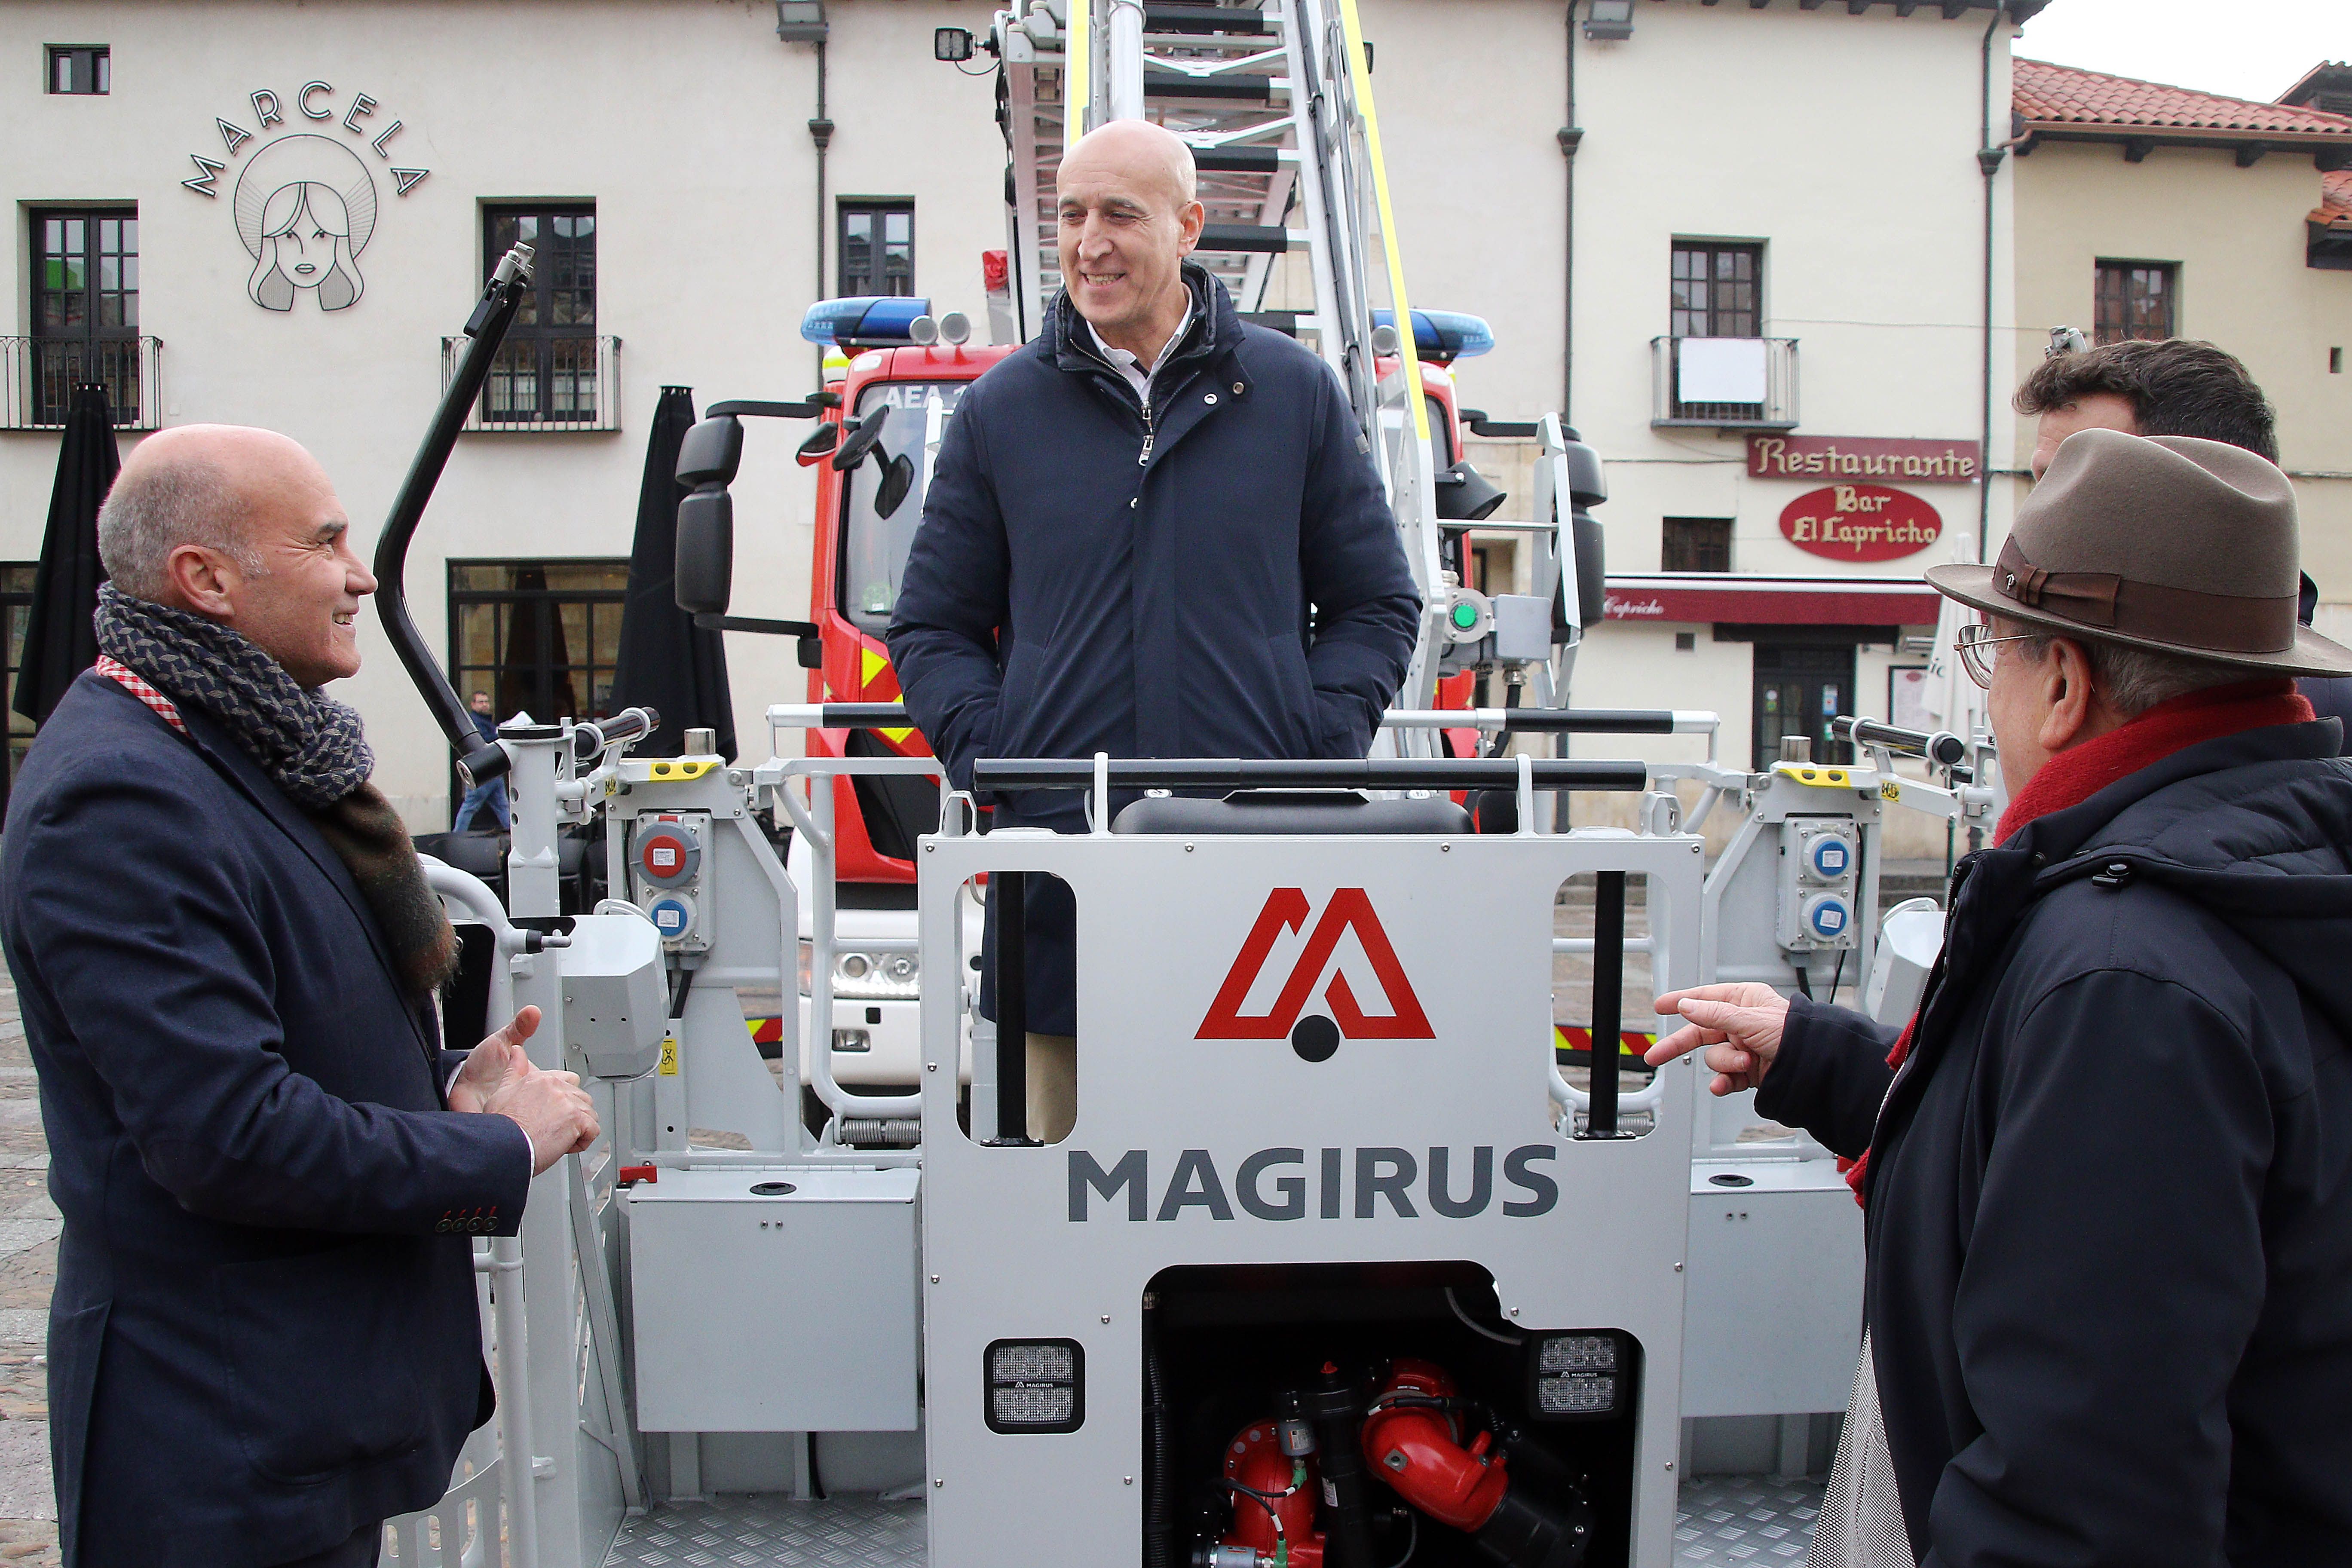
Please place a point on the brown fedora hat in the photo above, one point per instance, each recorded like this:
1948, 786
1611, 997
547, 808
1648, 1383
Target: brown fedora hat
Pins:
2164, 543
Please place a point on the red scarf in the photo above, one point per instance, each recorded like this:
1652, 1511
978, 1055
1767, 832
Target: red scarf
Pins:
2076, 774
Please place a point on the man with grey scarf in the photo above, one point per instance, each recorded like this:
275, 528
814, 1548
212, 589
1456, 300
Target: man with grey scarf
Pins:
263, 1341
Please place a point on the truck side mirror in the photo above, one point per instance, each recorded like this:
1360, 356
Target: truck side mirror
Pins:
705, 563
1591, 577
1465, 495
819, 446
897, 478
868, 430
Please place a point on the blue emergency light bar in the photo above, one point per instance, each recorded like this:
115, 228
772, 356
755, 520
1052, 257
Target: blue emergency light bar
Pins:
866, 320
1444, 335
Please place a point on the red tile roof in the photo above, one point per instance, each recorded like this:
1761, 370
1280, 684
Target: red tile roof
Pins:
2064, 95
2334, 208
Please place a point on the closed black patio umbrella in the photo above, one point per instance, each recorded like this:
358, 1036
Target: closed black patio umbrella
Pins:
666, 661
58, 642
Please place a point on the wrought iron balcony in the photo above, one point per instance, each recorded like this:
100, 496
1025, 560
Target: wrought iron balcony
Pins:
1724, 383
38, 377
550, 384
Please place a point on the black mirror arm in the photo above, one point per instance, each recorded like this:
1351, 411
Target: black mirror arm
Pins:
487, 329
711, 622
807, 409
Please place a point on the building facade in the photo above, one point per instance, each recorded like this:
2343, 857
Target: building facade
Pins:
1751, 251
2153, 211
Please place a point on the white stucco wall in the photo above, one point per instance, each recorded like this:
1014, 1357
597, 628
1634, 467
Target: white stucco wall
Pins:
2238, 238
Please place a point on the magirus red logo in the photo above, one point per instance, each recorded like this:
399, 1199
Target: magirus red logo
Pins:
1350, 912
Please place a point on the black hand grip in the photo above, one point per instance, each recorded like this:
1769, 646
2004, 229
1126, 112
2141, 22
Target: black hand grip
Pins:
1592, 720
1943, 748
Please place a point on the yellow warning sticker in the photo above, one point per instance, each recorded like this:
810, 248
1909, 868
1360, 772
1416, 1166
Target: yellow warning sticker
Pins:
669, 1056
1890, 790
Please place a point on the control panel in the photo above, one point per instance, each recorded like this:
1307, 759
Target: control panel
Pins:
1820, 897
666, 866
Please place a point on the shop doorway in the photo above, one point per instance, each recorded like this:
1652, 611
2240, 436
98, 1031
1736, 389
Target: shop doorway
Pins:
1800, 687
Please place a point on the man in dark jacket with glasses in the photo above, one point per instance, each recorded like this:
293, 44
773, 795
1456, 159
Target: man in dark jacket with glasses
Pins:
2107, 1312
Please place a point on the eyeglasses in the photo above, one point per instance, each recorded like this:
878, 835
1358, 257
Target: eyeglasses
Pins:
1971, 642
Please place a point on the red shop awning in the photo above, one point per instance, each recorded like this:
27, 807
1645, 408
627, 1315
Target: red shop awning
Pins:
1775, 601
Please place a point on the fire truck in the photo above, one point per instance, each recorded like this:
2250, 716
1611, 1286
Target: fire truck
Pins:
1341, 1261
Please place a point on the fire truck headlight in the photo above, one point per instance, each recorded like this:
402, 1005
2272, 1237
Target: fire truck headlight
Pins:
1036, 1385
861, 976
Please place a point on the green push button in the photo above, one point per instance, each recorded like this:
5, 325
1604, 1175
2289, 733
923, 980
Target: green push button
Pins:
1465, 616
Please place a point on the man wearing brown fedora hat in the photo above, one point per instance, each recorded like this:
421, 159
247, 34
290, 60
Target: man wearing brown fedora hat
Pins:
2107, 1168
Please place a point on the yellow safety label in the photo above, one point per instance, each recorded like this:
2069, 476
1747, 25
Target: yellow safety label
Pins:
669, 1056
1890, 790
668, 770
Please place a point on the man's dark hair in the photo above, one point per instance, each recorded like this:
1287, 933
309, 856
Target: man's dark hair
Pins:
2177, 387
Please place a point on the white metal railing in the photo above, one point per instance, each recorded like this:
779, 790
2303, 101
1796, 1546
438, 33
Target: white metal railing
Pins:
38, 375
1724, 383
548, 385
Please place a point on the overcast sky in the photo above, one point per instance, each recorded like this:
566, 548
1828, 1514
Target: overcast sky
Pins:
2243, 48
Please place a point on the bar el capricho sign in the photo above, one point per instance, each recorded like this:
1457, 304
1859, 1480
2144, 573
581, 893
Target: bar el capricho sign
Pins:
1884, 458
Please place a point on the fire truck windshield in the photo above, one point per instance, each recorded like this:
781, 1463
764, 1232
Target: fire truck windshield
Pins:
874, 545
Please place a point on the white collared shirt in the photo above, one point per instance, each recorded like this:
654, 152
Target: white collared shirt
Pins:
1130, 366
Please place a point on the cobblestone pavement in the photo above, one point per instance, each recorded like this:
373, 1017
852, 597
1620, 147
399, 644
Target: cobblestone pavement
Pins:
28, 1269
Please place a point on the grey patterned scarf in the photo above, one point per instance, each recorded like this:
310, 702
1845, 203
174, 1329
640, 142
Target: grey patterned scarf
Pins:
306, 740
309, 744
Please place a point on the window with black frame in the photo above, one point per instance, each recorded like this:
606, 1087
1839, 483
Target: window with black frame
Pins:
16, 606
85, 308
876, 246
540, 636
2133, 299
1716, 290
546, 372
80, 70
1695, 544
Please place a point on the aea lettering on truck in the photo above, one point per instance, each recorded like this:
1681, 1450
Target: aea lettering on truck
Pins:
1276, 1184
1286, 910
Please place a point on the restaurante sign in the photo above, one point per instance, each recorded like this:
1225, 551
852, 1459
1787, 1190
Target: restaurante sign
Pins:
1861, 523
1861, 458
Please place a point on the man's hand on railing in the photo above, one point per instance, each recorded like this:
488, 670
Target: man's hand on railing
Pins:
554, 1111
1739, 1025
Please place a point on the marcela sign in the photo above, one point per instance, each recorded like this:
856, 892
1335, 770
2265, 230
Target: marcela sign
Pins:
1861, 523
305, 203
1862, 457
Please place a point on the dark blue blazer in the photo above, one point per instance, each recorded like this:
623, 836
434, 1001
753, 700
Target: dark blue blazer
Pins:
264, 1334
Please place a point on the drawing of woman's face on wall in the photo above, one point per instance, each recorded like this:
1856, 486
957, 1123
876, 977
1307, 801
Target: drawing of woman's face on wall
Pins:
306, 207
306, 236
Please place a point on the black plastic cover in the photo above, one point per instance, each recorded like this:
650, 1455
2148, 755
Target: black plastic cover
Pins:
1288, 813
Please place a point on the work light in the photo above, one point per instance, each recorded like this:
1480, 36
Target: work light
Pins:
1036, 1386
1580, 1376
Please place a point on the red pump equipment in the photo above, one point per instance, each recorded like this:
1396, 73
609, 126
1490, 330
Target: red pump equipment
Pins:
1414, 1436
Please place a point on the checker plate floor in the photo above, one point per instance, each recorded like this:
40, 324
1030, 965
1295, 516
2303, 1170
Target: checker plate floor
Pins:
762, 1531
1759, 1521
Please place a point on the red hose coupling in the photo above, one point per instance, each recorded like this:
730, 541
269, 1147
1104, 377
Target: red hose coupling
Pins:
1412, 1449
